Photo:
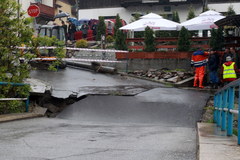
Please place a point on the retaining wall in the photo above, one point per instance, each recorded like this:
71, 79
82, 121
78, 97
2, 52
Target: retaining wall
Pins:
154, 60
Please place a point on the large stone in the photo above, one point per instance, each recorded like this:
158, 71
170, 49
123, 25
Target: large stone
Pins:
52, 108
173, 79
181, 74
167, 76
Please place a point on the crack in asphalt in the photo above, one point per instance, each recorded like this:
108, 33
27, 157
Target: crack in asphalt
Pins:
82, 154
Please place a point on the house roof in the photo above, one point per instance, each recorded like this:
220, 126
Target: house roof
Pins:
233, 20
72, 2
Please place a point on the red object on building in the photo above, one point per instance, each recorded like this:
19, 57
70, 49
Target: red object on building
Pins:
33, 10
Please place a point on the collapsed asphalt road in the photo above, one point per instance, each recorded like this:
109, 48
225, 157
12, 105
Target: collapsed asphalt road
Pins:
158, 124
72, 82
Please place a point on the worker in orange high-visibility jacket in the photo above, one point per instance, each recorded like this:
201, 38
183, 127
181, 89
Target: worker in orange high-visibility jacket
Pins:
229, 71
199, 61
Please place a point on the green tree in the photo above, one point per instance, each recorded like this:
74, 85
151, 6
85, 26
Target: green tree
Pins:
230, 11
205, 9
176, 17
183, 40
120, 40
149, 41
191, 13
118, 24
14, 31
120, 36
217, 40
135, 17
101, 30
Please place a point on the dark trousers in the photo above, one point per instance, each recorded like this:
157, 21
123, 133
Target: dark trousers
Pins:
214, 76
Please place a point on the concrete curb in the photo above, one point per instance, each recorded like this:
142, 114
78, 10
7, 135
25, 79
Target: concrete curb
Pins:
213, 144
18, 116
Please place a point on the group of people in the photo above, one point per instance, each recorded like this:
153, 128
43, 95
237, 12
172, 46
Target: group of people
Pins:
222, 68
71, 29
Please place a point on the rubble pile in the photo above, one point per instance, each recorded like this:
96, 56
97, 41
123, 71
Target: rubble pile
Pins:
163, 75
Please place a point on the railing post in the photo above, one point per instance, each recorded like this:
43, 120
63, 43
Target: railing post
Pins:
239, 115
218, 111
27, 104
215, 111
224, 105
230, 115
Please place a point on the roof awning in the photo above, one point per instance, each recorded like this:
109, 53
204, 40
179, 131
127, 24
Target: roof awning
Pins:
233, 20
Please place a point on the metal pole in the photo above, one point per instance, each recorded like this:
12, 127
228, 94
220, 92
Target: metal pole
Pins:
219, 112
13, 84
230, 115
27, 104
225, 98
239, 115
215, 111
103, 46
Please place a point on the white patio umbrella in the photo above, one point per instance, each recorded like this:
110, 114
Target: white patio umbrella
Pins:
152, 20
205, 21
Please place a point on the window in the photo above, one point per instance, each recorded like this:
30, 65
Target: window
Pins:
150, 1
177, 0
167, 8
38, 1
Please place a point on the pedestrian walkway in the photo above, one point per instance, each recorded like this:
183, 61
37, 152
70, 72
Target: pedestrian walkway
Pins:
215, 145
18, 116
36, 112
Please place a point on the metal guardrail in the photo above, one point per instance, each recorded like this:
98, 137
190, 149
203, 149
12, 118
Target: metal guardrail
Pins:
225, 101
16, 99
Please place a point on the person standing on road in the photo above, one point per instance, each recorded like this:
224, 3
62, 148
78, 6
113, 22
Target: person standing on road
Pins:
71, 30
213, 65
226, 54
94, 29
235, 57
65, 29
199, 61
85, 28
229, 71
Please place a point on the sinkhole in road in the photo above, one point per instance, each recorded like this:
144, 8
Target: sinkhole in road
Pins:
129, 109
160, 105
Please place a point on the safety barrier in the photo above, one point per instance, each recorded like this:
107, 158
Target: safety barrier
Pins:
226, 105
16, 99
77, 49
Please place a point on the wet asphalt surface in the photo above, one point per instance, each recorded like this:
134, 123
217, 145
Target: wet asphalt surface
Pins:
75, 82
157, 123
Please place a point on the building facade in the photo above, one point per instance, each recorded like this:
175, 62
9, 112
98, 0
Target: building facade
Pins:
49, 8
67, 6
46, 9
126, 8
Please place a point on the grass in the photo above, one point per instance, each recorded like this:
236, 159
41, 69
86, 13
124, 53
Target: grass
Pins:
209, 108
235, 132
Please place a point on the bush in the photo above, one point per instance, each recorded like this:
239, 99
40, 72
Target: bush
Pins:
109, 39
82, 43
101, 29
149, 40
15, 31
217, 40
183, 40
120, 43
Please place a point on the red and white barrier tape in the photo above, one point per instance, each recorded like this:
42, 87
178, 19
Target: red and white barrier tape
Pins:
78, 49
75, 59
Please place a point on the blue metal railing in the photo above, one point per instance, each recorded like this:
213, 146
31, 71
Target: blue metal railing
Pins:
16, 99
225, 101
